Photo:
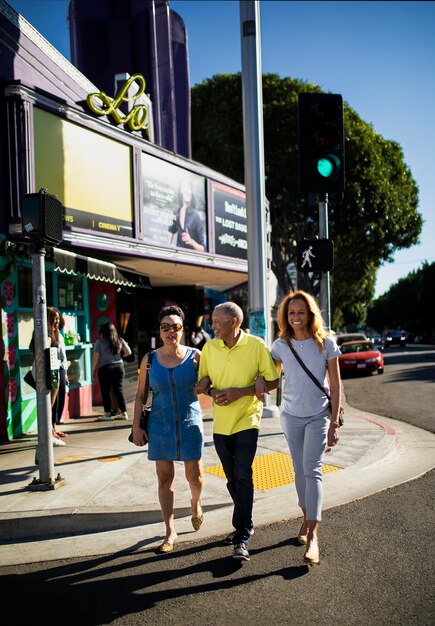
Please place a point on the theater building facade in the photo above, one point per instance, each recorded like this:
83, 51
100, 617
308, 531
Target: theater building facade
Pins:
121, 257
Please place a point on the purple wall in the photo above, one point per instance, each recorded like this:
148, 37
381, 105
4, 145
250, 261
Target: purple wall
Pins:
111, 37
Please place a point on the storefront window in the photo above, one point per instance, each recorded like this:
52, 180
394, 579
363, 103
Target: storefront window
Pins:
70, 293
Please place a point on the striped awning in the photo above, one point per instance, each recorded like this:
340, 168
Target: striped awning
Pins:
68, 262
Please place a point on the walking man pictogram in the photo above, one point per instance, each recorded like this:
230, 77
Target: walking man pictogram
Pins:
307, 255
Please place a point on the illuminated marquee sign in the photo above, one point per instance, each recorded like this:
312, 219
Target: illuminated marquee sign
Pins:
137, 118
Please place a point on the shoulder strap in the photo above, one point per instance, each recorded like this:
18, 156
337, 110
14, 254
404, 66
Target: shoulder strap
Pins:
304, 367
147, 379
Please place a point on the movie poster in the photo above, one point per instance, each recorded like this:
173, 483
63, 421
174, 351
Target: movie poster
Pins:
174, 206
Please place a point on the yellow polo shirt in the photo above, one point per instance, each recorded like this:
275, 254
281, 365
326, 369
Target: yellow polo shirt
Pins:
236, 367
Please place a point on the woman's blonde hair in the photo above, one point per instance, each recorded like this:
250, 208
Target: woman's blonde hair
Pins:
315, 327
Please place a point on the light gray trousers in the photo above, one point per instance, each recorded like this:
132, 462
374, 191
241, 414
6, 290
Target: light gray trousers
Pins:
306, 438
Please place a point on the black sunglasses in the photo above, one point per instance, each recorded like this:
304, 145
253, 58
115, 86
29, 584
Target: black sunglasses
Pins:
167, 327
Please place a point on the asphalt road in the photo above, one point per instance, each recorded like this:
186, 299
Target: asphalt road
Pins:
376, 570
405, 391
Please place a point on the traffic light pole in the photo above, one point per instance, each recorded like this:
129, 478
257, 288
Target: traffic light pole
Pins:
325, 296
44, 453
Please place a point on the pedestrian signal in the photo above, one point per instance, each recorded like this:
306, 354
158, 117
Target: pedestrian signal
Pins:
321, 143
42, 217
315, 255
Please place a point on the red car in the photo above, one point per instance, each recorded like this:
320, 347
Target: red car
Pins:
360, 356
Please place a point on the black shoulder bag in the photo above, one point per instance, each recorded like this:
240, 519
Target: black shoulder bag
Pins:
316, 382
146, 410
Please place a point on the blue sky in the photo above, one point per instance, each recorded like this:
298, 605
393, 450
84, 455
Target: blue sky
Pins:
379, 55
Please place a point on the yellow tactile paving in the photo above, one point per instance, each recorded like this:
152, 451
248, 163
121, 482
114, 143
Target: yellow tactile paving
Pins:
270, 470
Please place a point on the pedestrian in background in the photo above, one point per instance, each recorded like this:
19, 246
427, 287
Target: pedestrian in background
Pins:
175, 429
55, 323
107, 356
200, 336
308, 423
230, 364
53, 318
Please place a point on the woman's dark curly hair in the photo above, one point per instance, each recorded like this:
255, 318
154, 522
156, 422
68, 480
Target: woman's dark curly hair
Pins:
172, 309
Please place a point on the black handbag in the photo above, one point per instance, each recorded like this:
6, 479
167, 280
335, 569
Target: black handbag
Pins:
30, 380
314, 379
146, 410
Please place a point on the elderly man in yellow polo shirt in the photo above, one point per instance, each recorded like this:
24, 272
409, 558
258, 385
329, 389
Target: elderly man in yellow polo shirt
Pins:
236, 370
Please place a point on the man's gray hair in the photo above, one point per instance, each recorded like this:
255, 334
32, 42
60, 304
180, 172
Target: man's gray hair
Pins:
232, 309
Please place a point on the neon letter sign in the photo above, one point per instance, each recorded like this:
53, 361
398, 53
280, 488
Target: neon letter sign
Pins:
136, 119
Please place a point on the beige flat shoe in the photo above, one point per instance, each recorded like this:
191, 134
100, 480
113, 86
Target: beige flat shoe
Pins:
303, 536
197, 522
312, 555
165, 547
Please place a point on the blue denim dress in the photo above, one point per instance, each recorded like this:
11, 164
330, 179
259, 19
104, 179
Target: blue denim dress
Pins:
175, 427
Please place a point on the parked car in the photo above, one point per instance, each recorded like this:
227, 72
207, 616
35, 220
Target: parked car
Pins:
349, 337
395, 338
377, 340
360, 356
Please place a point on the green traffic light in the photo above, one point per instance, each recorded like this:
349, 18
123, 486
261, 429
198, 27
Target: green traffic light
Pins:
325, 168
328, 165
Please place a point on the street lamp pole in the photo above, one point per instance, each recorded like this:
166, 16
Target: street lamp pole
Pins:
45, 457
259, 309
254, 167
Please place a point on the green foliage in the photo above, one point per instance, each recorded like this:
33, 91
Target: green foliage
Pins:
377, 216
409, 304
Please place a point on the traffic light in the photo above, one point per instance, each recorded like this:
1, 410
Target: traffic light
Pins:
42, 217
321, 143
315, 255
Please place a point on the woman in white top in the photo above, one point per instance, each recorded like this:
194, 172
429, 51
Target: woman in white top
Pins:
55, 324
309, 421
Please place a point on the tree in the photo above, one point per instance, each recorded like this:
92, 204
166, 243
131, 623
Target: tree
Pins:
377, 216
408, 304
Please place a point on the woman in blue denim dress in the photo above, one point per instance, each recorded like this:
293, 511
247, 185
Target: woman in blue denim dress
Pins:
175, 430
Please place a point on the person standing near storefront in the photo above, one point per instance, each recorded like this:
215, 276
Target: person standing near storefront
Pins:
175, 429
55, 324
230, 364
107, 356
53, 318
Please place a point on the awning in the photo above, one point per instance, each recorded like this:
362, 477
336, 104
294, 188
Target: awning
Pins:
70, 263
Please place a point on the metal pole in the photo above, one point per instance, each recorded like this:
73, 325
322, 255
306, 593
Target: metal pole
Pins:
252, 91
254, 168
45, 447
325, 297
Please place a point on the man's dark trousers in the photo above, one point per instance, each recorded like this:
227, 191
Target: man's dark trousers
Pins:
236, 453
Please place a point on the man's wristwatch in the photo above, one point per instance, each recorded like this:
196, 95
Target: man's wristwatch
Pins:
209, 390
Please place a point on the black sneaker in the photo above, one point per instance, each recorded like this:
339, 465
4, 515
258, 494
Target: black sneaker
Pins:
229, 539
240, 552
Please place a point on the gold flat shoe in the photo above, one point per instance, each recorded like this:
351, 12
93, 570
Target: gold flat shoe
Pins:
303, 537
165, 547
197, 522
312, 553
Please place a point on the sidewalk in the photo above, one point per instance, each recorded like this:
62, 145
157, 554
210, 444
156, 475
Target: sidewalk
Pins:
109, 502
